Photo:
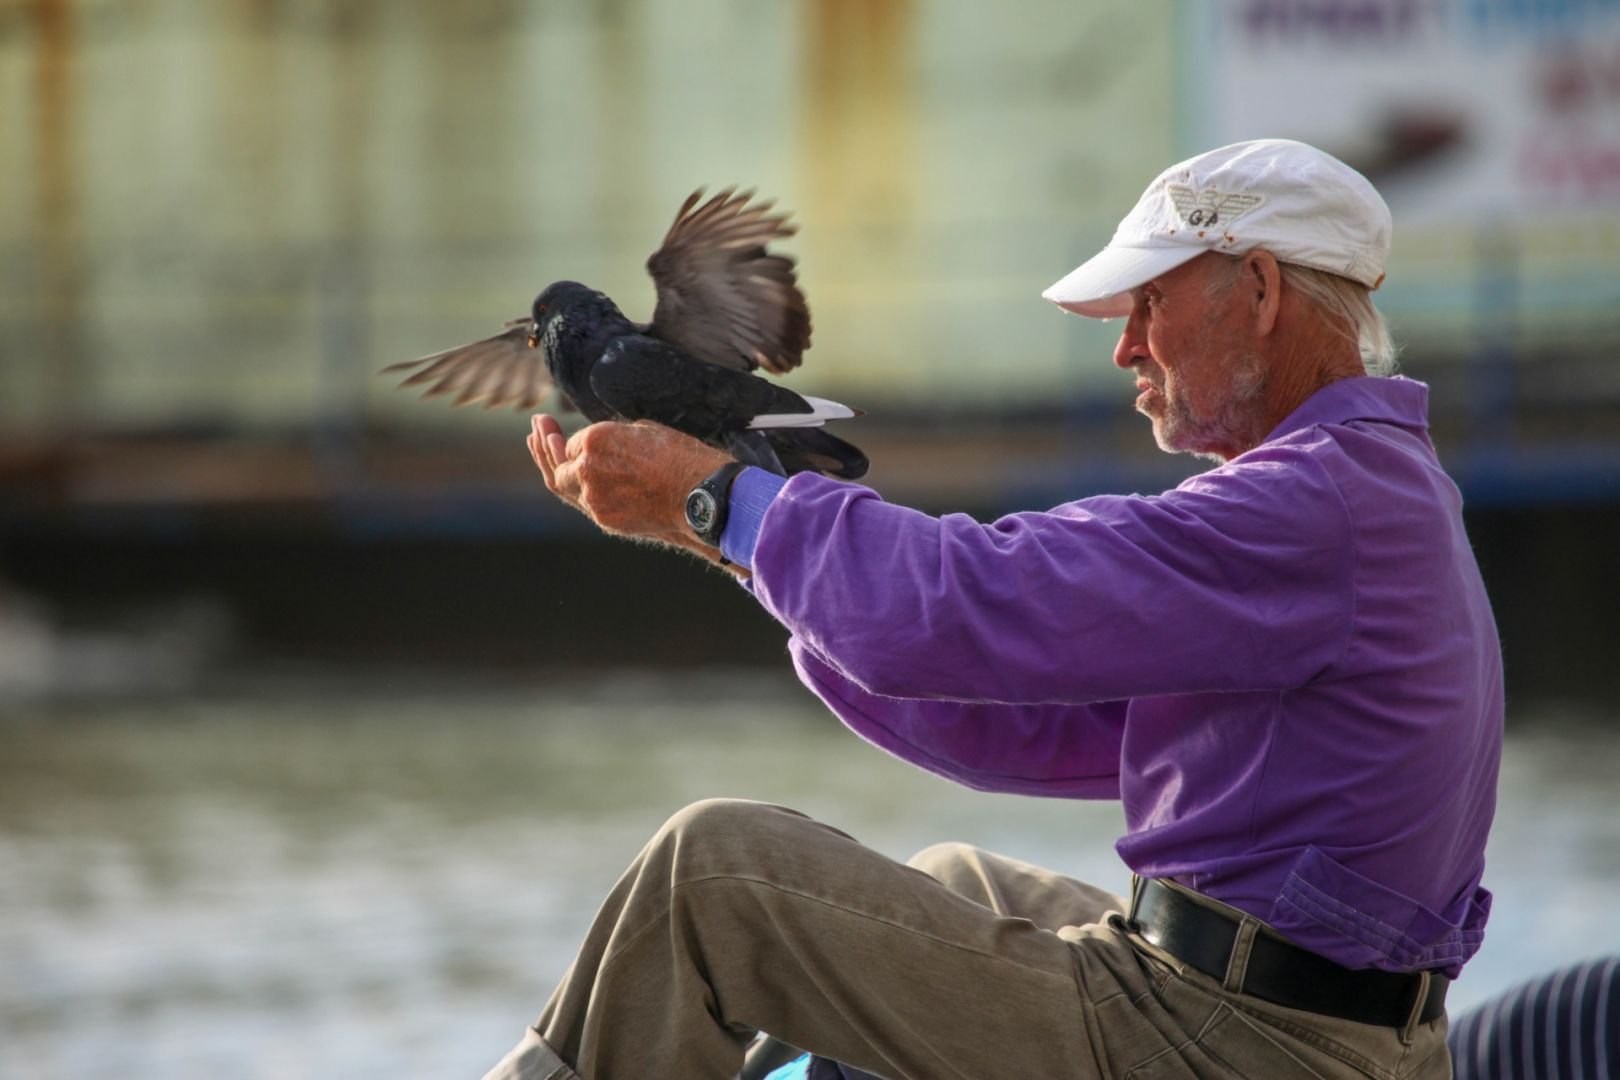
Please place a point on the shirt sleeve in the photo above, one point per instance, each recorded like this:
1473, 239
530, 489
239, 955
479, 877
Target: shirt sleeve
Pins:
1057, 751
1239, 579
752, 493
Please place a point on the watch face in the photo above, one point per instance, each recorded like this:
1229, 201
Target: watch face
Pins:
700, 511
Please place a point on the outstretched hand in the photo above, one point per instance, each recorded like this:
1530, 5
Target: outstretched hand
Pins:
630, 479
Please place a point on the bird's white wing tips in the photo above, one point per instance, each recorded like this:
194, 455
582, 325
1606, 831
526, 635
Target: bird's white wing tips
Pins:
821, 411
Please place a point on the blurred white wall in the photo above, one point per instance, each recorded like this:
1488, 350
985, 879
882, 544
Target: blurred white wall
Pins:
235, 213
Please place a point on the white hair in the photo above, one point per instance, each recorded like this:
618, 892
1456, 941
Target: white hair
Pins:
1346, 305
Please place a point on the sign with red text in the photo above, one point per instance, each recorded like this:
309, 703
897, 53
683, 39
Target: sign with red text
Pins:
1492, 127
1455, 108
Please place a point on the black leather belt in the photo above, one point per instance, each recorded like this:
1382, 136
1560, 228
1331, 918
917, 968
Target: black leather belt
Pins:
1283, 974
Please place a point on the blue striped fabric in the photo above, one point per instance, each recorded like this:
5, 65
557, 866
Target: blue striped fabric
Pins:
1564, 1025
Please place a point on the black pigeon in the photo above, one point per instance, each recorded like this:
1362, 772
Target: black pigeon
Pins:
726, 307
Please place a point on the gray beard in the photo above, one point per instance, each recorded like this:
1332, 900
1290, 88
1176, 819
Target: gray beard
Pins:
1182, 431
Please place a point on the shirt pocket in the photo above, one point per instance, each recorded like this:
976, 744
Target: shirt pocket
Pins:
1325, 903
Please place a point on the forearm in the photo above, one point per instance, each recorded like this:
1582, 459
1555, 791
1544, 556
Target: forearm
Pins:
1110, 598
1056, 751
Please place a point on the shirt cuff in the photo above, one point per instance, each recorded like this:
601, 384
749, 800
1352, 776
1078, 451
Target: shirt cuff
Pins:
751, 495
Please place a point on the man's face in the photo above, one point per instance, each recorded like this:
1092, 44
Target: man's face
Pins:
1187, 340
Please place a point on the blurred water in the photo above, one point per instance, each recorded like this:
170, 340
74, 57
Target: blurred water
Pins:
311, 880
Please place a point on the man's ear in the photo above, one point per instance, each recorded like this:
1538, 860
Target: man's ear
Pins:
1262, 279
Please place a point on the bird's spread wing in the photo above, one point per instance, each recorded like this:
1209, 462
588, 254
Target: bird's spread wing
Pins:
499, 370
721, 296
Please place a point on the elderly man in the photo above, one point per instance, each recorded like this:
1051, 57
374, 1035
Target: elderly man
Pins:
1286, 668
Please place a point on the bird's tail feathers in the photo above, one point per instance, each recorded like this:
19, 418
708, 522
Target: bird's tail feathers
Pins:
821, 410
814, 450
752, 448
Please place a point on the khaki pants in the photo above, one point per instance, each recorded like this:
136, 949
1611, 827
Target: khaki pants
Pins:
740, 917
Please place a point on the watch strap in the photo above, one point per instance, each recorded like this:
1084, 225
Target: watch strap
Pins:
718, 486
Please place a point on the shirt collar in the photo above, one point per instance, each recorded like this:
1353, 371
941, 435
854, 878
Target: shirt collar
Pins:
1392, 400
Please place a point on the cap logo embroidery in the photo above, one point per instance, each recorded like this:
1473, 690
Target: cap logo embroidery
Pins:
1210, 207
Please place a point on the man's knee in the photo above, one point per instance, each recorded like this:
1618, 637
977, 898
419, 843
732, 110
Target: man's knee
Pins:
722, 825
944, 862
710, 815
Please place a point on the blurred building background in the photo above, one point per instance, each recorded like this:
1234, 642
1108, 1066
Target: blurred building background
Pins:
220, 220
239, 568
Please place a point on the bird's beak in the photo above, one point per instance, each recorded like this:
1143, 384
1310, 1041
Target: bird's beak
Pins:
534, 336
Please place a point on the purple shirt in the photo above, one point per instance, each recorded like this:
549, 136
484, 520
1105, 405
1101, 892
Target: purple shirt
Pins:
1286, 667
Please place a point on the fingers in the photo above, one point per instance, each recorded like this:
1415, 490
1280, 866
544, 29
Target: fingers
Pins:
547, 448
556, 446
566, 481
546, 435
537, 449
552, 444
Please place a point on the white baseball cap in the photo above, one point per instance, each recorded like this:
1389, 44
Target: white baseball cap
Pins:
1302, 205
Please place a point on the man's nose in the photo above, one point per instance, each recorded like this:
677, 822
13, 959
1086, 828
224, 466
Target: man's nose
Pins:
1132, 345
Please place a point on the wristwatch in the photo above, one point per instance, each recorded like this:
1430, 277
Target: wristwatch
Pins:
707, 504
